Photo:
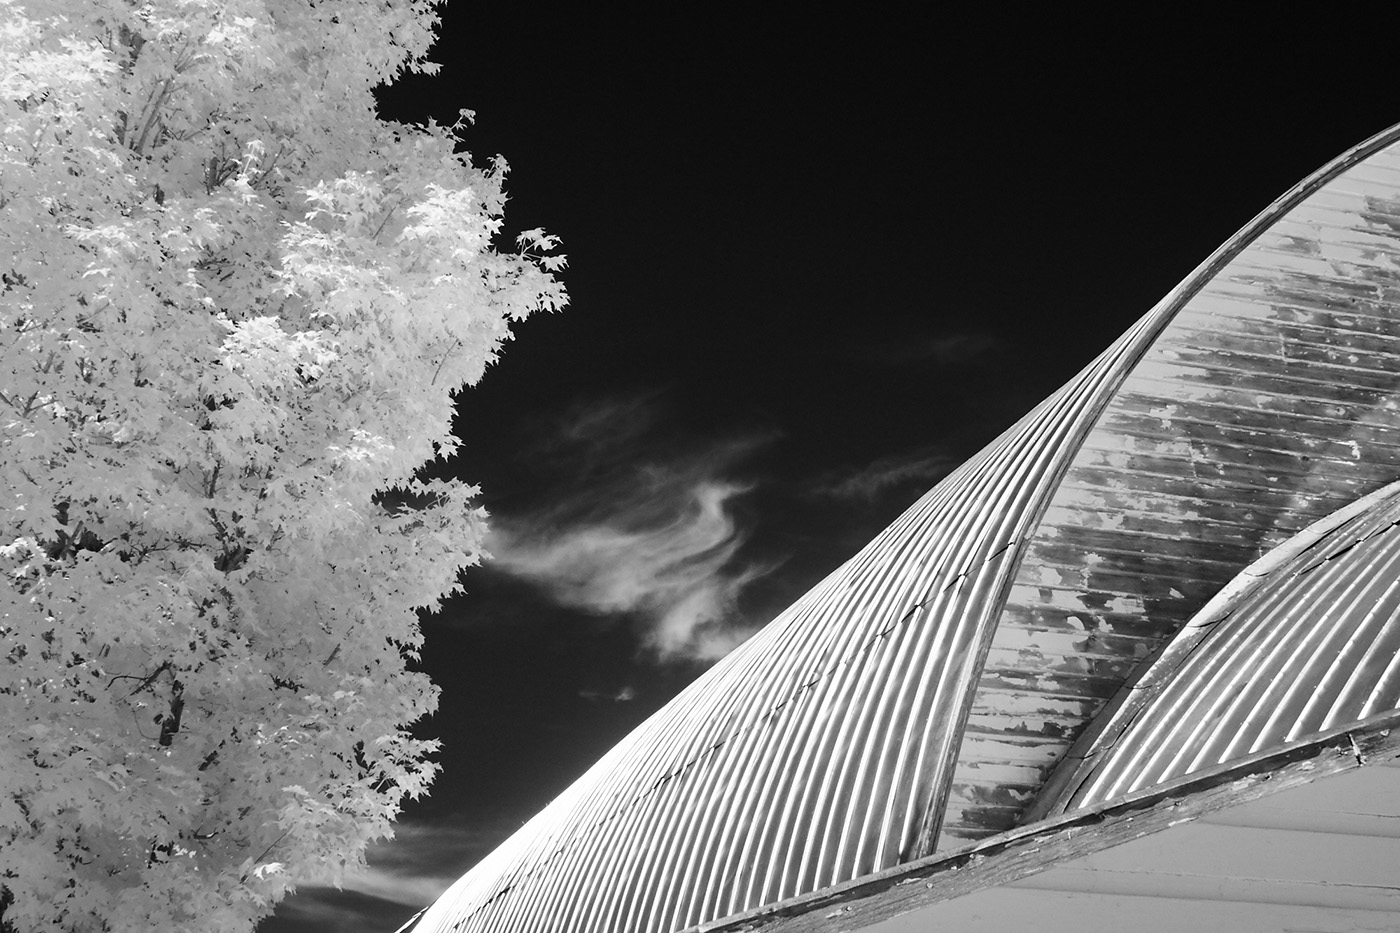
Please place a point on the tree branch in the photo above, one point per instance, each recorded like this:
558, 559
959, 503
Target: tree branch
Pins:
145, 683
170, 726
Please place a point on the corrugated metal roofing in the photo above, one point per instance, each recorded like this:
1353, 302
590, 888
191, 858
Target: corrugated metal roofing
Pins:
827, 747
812, 754
1268, 400
1304, 641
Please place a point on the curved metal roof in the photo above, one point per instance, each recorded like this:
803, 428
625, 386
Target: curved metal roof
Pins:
1267, 400
1305, 640
812, 753
946, 667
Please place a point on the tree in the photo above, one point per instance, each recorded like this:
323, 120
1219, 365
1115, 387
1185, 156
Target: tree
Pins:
236, 307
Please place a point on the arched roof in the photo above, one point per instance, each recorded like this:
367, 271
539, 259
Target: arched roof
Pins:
812, 753
1265, 399
927, 686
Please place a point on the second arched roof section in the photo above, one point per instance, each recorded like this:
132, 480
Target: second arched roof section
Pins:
1303, 642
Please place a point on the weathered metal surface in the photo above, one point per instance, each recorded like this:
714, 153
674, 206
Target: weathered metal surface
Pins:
1305, 640
832, 744
1269, 399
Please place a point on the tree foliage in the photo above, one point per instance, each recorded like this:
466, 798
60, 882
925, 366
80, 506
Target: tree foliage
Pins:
234, 309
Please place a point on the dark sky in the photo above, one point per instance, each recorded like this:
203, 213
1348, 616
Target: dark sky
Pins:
814, 264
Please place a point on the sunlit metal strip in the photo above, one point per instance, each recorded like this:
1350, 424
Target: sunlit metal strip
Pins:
1303, 641
1267, 399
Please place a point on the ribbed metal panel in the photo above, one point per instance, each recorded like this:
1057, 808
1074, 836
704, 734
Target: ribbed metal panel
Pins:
1268, 400
1304, 641
814, 753
1252, 400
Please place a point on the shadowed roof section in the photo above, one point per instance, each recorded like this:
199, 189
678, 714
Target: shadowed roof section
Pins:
1304, 641
920, 695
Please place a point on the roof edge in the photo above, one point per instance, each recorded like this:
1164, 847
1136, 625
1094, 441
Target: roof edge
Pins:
1187, 288
1029, 849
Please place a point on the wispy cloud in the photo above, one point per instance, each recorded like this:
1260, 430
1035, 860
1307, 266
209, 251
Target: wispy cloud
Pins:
941, 350
623, 695
316, 909
408, 890
917, 470
665, 554
643, 529
428, 856
404, 874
